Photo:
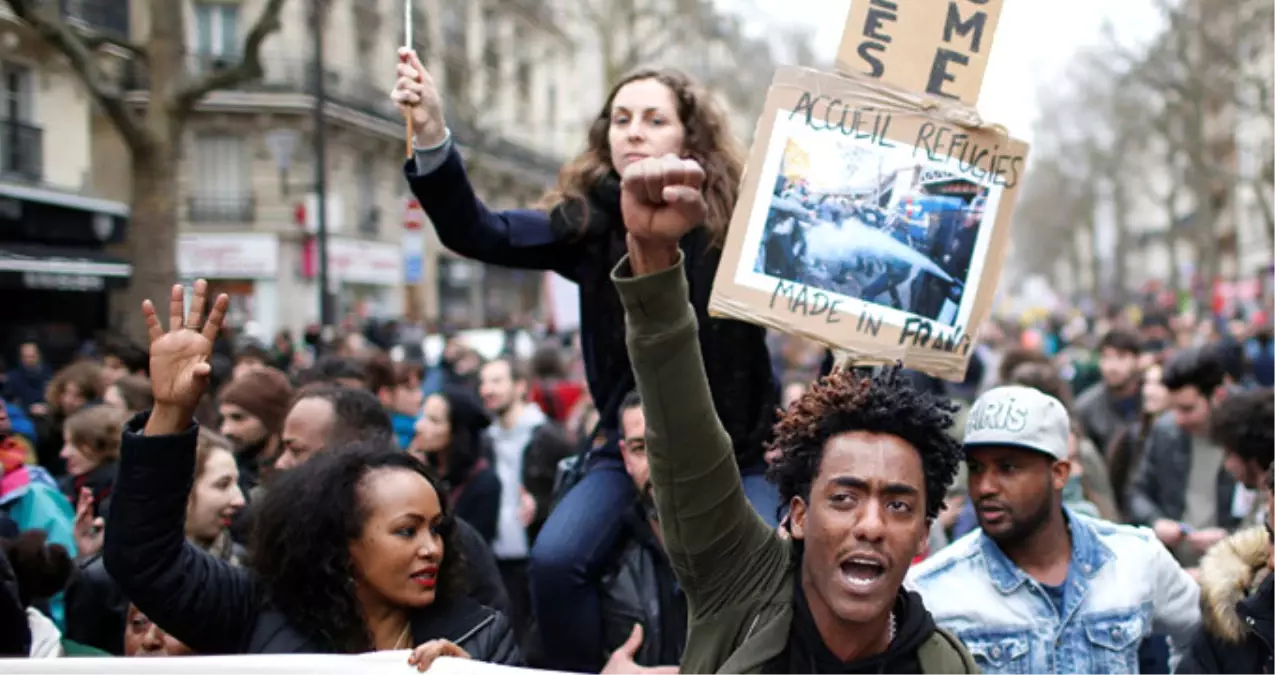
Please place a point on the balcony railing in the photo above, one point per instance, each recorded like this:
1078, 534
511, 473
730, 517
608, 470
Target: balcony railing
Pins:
206, 209
21, 150
107, 16
288, 75
348, 87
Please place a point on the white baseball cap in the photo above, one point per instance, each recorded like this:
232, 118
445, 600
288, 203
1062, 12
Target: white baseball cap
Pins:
1019, 417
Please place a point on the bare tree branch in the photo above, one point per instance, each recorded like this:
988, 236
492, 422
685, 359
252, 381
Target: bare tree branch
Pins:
46, 20
95, 40
248, 68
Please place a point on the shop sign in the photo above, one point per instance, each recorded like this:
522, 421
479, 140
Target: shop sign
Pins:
228, 256
45, 281
356, 261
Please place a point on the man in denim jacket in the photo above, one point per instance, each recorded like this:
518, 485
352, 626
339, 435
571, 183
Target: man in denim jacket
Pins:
1040, 588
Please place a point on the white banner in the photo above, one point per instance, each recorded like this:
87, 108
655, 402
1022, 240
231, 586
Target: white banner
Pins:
378, 663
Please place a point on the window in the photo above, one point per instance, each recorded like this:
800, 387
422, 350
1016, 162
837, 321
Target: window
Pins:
491, 51
369, 213
19, 93
21, 142
220, 180
420, 33
454, 24
524, 83
216, 29
455, 50
551, 109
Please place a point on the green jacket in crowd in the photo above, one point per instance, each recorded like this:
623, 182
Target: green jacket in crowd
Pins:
738, 575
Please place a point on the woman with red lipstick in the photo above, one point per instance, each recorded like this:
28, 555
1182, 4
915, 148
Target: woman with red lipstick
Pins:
578, 233
352, 551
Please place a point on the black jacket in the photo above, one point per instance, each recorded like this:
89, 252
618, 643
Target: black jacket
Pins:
477, 500
15, 633
1236, 602
215, 608
585, 248
642, 588
1159, 485
96, 607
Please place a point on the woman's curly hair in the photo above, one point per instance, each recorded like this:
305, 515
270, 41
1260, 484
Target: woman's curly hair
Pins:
708, 140
884, 403
301, 542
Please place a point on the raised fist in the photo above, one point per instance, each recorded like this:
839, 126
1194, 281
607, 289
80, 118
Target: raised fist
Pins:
661, 201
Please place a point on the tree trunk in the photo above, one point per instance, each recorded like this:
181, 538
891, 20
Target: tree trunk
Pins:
1120, 203
1175, 263
152, 240
1074, 264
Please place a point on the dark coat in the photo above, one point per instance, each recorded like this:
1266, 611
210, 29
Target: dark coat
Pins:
215, 608
15, 633
477, 500
1236, 608
642, 588
584, 249
96, 607
1159, 485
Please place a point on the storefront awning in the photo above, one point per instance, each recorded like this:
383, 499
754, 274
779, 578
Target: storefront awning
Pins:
56, 268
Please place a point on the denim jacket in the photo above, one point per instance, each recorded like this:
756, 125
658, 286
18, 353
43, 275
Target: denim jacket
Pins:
1122, 585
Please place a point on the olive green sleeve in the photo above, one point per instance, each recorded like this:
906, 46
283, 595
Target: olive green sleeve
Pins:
720, 548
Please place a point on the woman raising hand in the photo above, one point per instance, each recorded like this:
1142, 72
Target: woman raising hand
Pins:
353, 551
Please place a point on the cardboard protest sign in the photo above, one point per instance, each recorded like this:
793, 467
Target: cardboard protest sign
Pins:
939, 47
871, 220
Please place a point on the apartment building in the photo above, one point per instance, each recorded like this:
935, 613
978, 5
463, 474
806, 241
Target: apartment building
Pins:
249, 217
54, 226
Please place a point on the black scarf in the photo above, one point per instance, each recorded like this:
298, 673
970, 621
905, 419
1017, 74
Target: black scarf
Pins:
807, 653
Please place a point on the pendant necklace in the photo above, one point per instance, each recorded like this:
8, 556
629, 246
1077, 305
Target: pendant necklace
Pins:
405, 640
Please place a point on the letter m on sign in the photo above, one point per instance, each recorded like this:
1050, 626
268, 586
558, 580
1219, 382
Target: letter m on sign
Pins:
975, 24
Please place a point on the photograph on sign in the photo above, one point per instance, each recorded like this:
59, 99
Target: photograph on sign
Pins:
865, 221
878, 232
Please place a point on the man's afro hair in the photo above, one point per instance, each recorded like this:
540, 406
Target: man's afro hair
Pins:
884, 403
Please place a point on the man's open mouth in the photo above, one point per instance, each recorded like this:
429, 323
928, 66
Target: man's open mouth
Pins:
862, 571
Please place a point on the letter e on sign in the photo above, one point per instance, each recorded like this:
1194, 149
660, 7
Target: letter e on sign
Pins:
939, 47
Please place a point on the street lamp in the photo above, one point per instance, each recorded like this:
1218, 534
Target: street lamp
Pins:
326, 309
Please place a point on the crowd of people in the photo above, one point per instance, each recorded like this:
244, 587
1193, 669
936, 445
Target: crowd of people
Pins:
704, 498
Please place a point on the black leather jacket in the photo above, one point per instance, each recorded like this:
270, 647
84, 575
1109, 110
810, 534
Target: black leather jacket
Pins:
641, 588
96, 607
213, 607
